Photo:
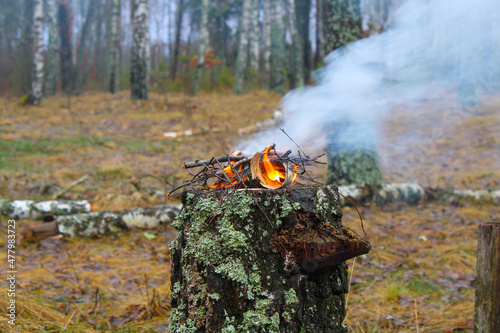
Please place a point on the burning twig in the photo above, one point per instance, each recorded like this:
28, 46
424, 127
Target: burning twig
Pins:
269, 169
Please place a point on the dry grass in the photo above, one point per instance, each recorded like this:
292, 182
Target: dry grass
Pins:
420, 278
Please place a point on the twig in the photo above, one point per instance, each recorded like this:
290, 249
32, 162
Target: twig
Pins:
213, 160
69, 187
294, 142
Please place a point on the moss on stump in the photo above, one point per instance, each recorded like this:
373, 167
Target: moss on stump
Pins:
228, 277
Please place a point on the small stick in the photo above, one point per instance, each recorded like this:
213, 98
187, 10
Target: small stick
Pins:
69, 187
213, 160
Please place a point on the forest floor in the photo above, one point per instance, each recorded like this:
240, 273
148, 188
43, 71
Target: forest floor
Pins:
420, 277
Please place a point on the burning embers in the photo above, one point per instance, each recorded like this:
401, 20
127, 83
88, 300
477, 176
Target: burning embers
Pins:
269, 169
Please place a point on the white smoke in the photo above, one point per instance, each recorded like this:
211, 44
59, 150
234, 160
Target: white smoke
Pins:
432, 46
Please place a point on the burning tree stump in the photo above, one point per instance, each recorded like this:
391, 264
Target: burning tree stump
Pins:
261, 261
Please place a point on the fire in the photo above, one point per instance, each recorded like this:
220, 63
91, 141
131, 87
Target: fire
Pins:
273, 170
231, 176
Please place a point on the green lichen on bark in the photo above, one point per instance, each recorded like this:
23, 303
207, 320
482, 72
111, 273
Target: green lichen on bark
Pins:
226, 277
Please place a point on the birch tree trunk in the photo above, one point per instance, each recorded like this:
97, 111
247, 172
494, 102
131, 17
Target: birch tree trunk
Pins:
277, 61
38, 62
53, 51
266, 38
139, 71
84, 48
241, 58
296, 54
178, 25
341, 23
202, 46
66, 51
253, 47
319, 34
302, 11
115, 45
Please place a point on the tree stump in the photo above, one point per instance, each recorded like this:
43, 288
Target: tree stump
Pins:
261, 261
352, 155
487, 307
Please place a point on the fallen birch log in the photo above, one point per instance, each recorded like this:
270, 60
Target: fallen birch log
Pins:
102, 223
37, 210
412, 193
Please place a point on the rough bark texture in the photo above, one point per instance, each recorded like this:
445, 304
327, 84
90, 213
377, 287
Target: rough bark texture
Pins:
487, 307
227, 276
297, 52
242, 56
178, 26
102, 223
139, 69
37, 210
277, 60
302, 11
84, 53
351, 162
115, 45
253, 47
266, 41
52, 72
66, 54
341, 23
202, 46
37, 80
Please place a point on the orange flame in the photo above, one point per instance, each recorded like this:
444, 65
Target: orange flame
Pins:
231, 176
275, 171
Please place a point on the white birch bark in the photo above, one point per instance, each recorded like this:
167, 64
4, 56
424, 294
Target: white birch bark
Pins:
241, 59
266, 38
202, 46
53, 50
141, 51
277, 61
297, 53
115, 46
38, 62
254, 35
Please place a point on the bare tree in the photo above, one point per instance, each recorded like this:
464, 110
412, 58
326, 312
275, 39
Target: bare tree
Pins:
277, 61
242, 56
52, 71
37, 81
178, 26
115, 46
297, 53
140, 67
202, 46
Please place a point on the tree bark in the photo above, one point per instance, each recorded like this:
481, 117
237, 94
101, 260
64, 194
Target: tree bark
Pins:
277, 60
487, 306
178, 26
266, 39
140, 66
297, 52
115, 46
351, 162
66, 54
53, 50
37, 210
302, 11
38, 61
202, 46
253, 46
341, 23
102, 223
261, 261
84, 48
242, 56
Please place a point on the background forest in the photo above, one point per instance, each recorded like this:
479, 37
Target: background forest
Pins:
184, 45
117, 94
